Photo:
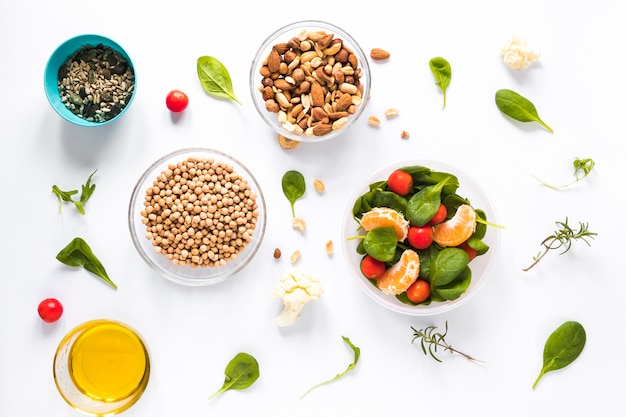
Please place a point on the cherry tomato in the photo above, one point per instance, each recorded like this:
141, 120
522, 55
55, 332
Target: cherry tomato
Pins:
400, 182
420, 237
176, 101
440, 216
50, 310
372, 268
470, 252
419, 291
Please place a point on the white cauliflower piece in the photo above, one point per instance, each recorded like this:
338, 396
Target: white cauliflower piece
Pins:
517, 54
296, 287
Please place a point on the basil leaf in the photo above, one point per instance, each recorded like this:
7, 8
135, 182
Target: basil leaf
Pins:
562, 347
517, 107
293, 187
241, 372
381, 243
442, 71
357, 354
215, 78
78, 253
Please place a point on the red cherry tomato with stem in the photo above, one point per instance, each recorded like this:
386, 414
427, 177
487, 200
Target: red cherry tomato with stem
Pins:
372, 268
419, 291
440, 216
400, 182
176, 101
50, 310
420, 237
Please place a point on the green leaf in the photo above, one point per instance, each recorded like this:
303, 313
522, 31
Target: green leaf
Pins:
447, 265
241, 372
357, 353
562, 347
78, 253
86, 192
442, 71
293, 187
454, 289
423, 205
518, 107
381, 243
215, 78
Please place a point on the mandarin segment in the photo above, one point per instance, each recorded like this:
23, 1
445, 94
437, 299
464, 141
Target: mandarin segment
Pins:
385, 217
400, 276
456, 230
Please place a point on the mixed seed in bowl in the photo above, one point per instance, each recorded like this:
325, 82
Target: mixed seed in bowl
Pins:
96, 83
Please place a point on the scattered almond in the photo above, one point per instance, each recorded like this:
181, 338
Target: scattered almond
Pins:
330, 248
373, 121
295, 257
277, 253
404, 134
378, 54
299, 224
391, 112
319, 185
286, 143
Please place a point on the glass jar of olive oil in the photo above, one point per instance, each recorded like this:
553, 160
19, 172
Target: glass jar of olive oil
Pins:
101, 367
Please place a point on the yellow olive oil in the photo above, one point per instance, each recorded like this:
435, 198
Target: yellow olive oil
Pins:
109, 362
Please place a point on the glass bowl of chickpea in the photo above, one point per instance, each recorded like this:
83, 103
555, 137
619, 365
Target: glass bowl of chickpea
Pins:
310, 81
197, 216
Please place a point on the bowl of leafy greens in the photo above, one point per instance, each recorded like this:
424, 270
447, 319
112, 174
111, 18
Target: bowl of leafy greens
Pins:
420, 237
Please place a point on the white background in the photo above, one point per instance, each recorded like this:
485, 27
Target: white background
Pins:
192, 333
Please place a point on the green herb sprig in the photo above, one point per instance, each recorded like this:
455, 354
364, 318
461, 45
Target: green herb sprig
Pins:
582, 168
435, 340
215, 78
357, 353
563, 238
563, 346
87, 190
241, 372
78, 253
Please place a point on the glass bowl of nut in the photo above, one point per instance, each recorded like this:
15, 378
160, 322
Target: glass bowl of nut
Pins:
89, 80
310, 81
197, 216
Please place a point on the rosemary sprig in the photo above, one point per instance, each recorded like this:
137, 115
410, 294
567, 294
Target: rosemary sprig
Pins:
435, 340
582, 168
563, 238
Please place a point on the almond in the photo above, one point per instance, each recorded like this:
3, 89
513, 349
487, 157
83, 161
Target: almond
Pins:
322, 129
343, 102
378, 54
284, 85
317, 94
325, 40
273, 61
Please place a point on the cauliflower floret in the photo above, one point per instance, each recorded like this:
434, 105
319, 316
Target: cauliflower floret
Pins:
517, 54
296, 287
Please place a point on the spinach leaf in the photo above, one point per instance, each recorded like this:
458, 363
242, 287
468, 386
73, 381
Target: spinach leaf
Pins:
423, 205
442, 71
78, 253
357, 353
215, 78
389, 199
293, 187
241, 372
381, 243
518, 107
562, 347
86, 191
447, 266
454, 289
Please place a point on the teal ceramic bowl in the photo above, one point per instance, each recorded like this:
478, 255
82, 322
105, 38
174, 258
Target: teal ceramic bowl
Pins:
118, 63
